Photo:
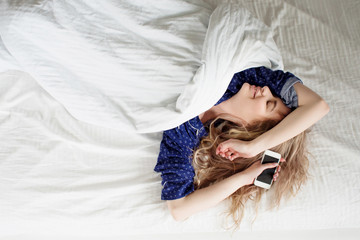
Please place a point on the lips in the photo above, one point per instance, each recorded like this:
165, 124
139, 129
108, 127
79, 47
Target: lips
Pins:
255, 91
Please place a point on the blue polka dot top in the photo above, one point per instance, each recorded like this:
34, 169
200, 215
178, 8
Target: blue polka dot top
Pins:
176, 148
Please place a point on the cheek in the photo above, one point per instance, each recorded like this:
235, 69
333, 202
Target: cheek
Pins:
255, 107
259, 107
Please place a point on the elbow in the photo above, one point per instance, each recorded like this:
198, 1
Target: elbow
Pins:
177, 216
324, 107
176, 211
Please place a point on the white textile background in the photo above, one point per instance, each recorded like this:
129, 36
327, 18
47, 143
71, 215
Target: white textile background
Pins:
60, 176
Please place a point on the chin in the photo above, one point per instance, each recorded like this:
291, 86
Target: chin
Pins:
245, 90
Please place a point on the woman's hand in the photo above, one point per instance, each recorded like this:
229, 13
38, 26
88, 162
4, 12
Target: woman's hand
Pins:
257, 168
234, 148
207, 197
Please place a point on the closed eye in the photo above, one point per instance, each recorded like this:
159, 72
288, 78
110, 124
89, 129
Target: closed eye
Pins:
271, 105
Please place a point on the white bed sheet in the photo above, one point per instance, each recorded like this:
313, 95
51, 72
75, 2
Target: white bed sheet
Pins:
61, 176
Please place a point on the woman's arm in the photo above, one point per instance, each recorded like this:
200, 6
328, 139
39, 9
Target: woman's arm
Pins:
210, 196
311, 108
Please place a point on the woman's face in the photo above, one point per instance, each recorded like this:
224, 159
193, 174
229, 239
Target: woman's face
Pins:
259, 104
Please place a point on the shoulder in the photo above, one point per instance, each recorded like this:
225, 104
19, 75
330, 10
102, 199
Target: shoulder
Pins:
187, 133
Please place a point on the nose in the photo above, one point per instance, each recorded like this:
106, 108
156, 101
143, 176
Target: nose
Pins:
266, 91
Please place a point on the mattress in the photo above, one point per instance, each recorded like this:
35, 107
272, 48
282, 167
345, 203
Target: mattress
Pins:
87, 87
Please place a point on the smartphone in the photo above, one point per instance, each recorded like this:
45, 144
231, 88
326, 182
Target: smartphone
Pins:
265, 179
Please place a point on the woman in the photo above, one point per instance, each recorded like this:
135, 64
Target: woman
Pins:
254, 95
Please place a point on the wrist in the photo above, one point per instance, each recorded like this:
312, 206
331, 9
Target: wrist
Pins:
255, 146
243, 179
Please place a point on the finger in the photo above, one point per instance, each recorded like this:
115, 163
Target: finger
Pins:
222, 151
228, 154
232, 157
282, 160
222, 147
235, 155
275, 178
218, 149
225, 154
269, 165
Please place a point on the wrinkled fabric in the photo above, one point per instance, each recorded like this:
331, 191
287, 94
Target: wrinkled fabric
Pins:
112, 67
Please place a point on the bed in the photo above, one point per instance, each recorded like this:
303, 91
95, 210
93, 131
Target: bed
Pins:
86, 88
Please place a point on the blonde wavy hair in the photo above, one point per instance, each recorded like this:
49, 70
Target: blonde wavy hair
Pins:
211, 168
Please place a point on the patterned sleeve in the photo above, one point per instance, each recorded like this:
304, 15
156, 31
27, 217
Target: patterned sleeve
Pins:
288, 94
174, 160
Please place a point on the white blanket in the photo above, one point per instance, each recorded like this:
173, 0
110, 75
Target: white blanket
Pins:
127, 73
68, 171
